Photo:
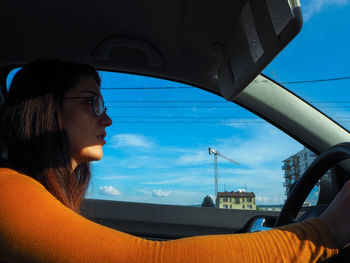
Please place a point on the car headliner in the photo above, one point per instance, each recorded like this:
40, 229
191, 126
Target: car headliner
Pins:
188, 41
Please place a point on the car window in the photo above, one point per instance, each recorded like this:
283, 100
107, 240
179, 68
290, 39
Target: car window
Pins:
315, 64
175, 144
169, 141
10, 76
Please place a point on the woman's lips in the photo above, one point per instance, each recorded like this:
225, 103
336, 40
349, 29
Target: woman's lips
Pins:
101, 137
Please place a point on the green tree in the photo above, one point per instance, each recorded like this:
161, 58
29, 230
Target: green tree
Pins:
208, 202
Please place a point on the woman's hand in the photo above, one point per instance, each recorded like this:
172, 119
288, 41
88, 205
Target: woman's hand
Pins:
337, 216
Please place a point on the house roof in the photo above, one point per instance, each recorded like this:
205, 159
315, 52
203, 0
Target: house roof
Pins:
236, 194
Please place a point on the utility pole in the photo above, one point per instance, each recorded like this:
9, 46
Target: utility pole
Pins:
216, 170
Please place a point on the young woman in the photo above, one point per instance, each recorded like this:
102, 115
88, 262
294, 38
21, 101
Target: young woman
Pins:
53, 124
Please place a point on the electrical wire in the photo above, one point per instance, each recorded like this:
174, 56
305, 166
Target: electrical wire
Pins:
190, 122
168, 101
247, 120
181, 117
170, 106
202, 101
190, 87
198, 117
314, 80
198, 106
197, 122
147, 88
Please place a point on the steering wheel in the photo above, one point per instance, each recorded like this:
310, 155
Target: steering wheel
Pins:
325, 161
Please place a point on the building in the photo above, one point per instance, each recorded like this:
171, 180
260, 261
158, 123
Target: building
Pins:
270, 207
295, 166
236, 200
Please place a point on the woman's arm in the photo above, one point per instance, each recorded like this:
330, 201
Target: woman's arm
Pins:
337, 216
36, 227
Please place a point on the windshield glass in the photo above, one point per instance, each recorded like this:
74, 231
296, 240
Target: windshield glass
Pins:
176, 144
315, 65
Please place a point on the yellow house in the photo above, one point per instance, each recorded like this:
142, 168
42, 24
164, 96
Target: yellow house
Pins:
236, 200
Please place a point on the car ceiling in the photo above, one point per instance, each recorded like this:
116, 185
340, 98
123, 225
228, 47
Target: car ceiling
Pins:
187, 41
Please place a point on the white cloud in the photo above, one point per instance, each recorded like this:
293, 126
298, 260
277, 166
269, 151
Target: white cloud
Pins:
161, 193
260, 151
130, 140
116, 177
194, 157
234, 179
177, 197
148, 194
269, 200
262, 199
313, 7
266, 144
109, 190
183, 179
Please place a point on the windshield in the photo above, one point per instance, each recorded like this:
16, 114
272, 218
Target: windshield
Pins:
315, 65
174, 144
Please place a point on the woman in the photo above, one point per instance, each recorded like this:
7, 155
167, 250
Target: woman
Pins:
53, 123
45, 98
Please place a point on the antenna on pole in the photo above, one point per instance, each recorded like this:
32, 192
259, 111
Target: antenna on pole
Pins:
216, 172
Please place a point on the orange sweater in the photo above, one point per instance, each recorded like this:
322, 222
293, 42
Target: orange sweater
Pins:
36, 227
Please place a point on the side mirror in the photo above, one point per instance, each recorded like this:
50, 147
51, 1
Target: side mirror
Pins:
258, 224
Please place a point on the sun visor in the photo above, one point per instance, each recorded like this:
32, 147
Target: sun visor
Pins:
264, 29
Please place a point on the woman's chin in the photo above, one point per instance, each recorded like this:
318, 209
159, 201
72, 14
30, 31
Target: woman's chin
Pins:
95, 157
90, 156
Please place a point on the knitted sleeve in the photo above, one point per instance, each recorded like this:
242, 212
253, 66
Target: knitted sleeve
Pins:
36, 227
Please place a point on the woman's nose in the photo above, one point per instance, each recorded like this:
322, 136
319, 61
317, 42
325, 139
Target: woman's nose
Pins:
105, 120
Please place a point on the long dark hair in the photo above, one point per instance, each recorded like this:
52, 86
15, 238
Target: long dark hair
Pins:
32, 128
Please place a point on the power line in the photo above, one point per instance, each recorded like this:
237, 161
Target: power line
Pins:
200, 101
169, 106
181, 117
190, 122
147, 88
198, 106
330, 101
315, 80
197, 117
168, 101
197, 122
344, 106
190, 87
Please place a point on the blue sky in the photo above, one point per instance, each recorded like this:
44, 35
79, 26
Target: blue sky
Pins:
169, 163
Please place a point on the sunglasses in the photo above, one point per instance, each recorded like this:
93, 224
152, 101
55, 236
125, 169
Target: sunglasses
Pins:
97, 103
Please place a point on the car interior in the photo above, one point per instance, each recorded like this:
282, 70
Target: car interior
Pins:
219, 48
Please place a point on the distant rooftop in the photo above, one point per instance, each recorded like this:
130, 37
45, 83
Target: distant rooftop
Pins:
236, 194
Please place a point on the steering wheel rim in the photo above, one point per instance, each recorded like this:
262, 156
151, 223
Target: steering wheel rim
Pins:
325, 161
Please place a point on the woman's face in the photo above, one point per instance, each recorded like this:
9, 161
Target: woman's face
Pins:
86, 131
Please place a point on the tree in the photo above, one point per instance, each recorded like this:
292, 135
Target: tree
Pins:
208, 202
